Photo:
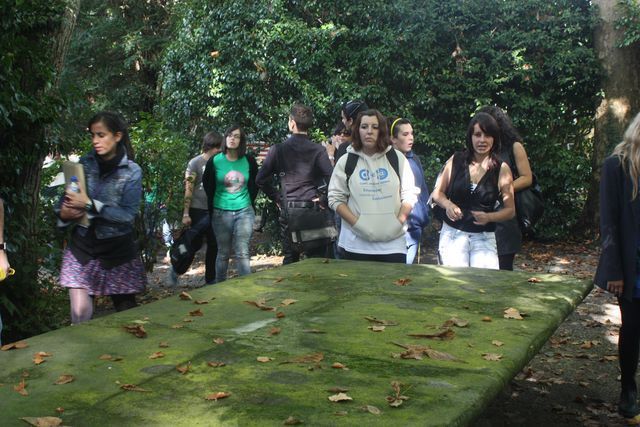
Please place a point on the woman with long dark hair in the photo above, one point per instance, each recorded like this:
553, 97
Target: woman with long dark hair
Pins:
511, 152
230, 183
102, 258
470, 185
618, 270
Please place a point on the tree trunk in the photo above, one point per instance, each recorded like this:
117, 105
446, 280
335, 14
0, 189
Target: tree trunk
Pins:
621, 87
28, 140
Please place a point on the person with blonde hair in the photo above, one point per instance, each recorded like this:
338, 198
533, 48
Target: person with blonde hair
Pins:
618, 270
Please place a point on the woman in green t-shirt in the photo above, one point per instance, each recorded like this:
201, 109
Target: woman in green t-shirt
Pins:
229, 181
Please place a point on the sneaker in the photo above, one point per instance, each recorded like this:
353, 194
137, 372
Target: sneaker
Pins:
172, 278
628, 406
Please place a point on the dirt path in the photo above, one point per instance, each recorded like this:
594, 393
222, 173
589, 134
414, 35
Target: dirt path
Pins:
573, 381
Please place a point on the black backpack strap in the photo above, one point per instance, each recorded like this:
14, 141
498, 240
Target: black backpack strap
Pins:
392, 157
352, 160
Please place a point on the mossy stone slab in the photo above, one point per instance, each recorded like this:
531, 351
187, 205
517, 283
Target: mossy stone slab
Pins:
333, 300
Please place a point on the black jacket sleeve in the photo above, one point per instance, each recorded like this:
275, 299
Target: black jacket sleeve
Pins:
264, 178
253, 173
209, 183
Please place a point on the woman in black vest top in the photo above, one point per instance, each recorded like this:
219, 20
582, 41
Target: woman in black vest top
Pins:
471, 184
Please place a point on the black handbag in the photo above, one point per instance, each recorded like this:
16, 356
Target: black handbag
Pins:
529, 202
182, 251
529, 206
310, 223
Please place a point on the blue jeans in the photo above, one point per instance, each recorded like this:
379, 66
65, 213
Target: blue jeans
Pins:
236, 226
413, 237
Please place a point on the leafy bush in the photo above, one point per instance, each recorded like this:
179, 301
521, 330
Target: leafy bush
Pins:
432, 62
163, 156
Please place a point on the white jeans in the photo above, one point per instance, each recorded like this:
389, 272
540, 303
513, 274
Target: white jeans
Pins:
464, 249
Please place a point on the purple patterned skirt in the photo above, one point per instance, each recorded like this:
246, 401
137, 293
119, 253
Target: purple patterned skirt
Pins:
128, 278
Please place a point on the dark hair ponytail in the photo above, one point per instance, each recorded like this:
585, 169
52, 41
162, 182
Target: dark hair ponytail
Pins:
115, 123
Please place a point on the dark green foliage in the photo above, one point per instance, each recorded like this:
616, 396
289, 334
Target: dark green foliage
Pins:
629, 22
29, 107
115, 52
163, 156
432, 62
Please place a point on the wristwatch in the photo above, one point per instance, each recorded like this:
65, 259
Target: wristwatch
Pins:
89, 205
3, 246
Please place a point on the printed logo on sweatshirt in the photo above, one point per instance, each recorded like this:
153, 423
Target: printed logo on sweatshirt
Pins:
381, 174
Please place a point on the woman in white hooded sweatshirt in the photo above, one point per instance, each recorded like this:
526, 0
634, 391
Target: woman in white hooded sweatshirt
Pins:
372, 189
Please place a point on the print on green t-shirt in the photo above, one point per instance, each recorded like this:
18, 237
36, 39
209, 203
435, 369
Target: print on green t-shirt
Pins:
232, 192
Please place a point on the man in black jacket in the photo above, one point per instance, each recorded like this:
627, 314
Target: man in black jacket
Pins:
306, 167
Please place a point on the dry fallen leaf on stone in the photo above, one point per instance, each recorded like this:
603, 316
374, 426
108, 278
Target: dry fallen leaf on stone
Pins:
292, 421
307, 358
486, 319
133, 387
216, 364
497, 343
288, 301
512, 313
185, 296
64, 379
534, 280
280, 315
381, 321
263, 359
21, 388
183, 369
156, 355
274, 331
178, 326
372, 409
218, 341
137, 330
402, 282
338, 365
493, 357
201, 301
163, 344
43, 421
419, 351
217, 395
446, 335
397, 399
377, 328
261, 304
196, 313
340, 397
18, 345
454, 321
